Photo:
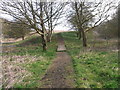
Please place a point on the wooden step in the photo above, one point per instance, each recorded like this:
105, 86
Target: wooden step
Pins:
61, 48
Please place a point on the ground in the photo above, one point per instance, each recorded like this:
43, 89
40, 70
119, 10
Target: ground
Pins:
93, 67
96, 66
61, 73
26, 56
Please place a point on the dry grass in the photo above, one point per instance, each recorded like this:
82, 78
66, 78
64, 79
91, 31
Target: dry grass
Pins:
13, 70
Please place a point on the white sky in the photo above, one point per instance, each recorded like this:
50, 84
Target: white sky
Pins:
63, 25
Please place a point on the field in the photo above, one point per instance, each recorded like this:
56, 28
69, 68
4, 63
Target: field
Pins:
25, 64
95, 66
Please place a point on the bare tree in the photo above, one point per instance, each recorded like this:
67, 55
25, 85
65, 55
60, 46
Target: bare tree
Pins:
90, 15
34, 13
50, 9
109, 29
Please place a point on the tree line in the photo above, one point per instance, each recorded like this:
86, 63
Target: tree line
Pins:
43, 17
14, 29
109, 29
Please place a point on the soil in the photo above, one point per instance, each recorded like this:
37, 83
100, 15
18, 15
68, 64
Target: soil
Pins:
60, 74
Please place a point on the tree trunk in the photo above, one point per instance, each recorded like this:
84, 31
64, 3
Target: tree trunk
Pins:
79, 34
23, 38
49, 37
84, 38
44, 44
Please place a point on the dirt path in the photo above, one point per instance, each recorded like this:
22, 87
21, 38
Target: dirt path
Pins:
61, 45
61, 73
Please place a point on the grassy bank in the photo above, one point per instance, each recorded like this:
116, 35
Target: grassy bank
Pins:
30, 60
95, 66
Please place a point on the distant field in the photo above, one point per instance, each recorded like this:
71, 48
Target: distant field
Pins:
10, 40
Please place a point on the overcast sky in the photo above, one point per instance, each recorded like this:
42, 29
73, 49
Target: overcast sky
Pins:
63, 25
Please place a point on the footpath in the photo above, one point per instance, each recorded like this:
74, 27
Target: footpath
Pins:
60, 74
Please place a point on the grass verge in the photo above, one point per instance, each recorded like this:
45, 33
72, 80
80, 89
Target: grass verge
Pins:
95, 66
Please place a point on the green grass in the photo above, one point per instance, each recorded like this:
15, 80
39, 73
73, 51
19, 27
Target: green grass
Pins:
93, 68
37, 70
32, 46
